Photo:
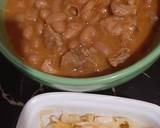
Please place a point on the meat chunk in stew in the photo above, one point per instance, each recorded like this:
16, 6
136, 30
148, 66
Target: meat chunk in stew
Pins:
83, 60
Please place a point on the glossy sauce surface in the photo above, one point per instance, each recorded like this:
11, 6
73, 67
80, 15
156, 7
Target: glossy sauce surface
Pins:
80, 38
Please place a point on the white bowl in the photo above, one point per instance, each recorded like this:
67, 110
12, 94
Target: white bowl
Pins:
38, 109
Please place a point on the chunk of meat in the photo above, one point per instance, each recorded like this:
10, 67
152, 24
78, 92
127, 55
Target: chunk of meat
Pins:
119, 57
47, 67
73, 29
99, 14
84, 60
96, 61
118, 26
112, 25
72, 62
130, 27
99, 11
54, 41
123, 8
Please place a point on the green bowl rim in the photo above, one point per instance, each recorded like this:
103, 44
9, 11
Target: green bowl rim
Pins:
154, 54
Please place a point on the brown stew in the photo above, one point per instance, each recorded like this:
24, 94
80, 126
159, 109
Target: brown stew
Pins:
79, 37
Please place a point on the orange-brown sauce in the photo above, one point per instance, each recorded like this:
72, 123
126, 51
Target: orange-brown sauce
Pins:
80, 38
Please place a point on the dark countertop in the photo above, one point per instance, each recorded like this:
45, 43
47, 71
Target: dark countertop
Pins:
16, 89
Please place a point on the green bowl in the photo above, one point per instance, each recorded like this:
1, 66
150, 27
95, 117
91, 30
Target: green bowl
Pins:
76, 84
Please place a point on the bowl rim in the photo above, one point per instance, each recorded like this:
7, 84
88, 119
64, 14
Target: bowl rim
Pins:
154, 54
43, 96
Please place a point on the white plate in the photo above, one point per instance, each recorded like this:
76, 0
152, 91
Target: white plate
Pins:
38, 109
